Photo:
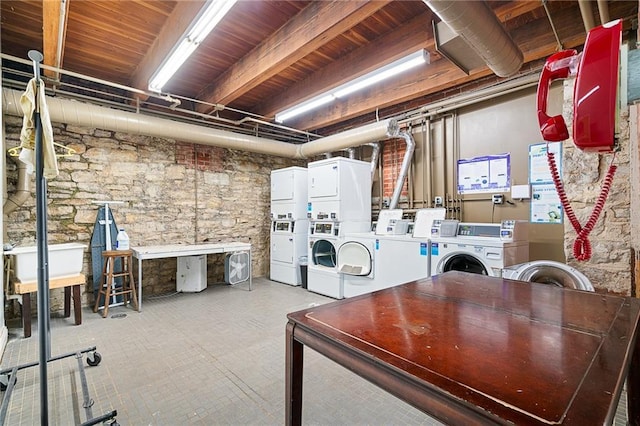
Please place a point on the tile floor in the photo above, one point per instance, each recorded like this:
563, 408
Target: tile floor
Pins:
211, 358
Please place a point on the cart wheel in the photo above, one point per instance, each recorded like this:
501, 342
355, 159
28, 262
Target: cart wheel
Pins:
93, 358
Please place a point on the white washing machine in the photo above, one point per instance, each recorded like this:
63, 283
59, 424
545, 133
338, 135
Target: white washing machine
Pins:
325, 239
481, 248
289, 224
548, 272
288, 245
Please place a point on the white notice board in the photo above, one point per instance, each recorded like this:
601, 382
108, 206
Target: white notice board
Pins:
486, 174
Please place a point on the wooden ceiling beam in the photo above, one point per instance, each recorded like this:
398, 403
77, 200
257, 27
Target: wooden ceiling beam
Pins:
410, 37
314, 26
175, 26
54, 28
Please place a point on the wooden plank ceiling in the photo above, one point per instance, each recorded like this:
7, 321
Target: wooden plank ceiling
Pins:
268, 55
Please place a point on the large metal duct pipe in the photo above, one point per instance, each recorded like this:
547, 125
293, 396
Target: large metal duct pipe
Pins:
603, 9
89, 115
354, 137
404, 168
479, 27
587, 14
17, 199
375, 154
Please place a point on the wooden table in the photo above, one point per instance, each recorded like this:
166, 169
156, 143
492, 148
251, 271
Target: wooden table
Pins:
178, 250
470, 349
24, 290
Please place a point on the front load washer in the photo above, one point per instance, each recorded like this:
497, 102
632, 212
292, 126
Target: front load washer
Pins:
481, 248
548, 272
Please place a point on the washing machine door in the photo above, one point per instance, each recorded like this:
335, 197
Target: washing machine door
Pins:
354, 258
463, 262
554, 273
323, 253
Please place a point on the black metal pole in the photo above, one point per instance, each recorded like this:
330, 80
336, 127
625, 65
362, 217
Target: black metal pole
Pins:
43, 261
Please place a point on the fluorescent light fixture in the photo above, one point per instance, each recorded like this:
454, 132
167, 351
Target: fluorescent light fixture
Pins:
209, 16
390, 70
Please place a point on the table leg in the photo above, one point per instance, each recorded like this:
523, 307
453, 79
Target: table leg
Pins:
67, 302
293, 379
633, 387
26, 314
139, 285
250, 273
77, 304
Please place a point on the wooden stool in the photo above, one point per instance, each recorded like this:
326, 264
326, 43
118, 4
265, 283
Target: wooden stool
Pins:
110, 273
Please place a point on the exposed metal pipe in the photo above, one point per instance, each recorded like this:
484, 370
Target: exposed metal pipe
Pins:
587, 14
354, 137
426, 140
404, 168
90, 115
553, 27
18, 198
603, 9
479, 27
375, 154
352, 153
471, 98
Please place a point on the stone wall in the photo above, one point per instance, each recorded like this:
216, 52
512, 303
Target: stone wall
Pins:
610, 267
173, 192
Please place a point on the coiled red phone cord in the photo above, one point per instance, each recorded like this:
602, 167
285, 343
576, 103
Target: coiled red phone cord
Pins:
582, 245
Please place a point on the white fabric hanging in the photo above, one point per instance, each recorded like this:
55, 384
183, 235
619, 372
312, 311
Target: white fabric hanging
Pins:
28, 132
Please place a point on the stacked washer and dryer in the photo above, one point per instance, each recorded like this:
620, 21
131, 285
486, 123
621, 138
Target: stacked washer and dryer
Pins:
289, 224
339, 202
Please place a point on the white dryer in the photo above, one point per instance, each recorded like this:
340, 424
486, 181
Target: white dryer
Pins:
481, 248
370, 262
548, 272
325, 239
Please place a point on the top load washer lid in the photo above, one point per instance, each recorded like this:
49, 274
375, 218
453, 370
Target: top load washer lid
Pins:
354, 259
384, 218
424, 221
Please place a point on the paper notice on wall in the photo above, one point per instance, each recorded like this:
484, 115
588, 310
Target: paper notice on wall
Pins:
538, 163
486, 174
545, 204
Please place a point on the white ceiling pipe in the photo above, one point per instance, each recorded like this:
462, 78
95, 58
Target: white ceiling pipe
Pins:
587, 14
603, 9
479, 27
349, 138
94, 116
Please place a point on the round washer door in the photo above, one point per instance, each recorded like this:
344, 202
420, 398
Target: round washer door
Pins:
554, 273
354, 259
323, 253
463, 262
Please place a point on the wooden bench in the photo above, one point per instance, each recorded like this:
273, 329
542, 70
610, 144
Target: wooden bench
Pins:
68, 283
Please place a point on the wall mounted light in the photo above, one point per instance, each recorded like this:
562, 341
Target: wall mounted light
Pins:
209, 16
390, 70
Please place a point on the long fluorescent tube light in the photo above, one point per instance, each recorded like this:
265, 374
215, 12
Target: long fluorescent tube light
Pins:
208, 17
390, 70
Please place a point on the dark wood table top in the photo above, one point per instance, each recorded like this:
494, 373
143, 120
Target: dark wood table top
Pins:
522, 352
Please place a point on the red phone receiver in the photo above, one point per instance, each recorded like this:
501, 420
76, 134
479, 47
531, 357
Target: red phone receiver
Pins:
553, 129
